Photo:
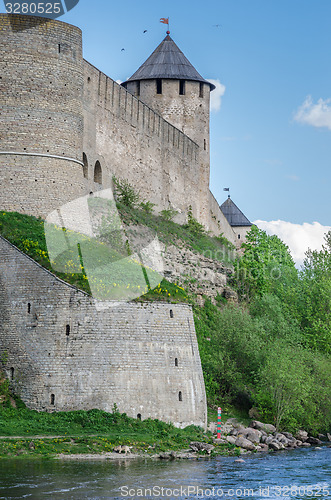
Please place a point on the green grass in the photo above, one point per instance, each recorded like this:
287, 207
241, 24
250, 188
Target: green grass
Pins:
171, 233
93, 431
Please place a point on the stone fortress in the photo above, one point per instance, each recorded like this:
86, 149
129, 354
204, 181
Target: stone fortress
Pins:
66, 128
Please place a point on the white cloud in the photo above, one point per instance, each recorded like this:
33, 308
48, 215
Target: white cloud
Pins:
216, 95
317, 115
298, 237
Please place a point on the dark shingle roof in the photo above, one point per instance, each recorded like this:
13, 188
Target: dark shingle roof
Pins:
167, 61
234, 216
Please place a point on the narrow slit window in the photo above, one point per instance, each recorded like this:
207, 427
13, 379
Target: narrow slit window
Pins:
204, 144
59, 48
238, 236
12, 370
67, 330
171, 313
139, 416
29, 308
85, 166
176, 361
158, 86
201, 90
53, 399
181, 87
138, 88
180, 396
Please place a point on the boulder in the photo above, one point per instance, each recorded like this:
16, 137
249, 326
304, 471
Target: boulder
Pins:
288, 435
261, 426
302, 436
322, 437
275, 445
312, 440
269, 439
244, 443
263, 447
197, 446
281, 438
298, 442
226, 428
231, 439
252, 434
306, 445
328, 436
220, 440
240, 461
212, 427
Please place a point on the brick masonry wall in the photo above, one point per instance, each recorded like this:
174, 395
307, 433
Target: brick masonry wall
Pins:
55, 104
56, 343
41, 88
132, 141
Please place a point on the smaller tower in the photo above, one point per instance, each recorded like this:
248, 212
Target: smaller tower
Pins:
237, 220
168, 83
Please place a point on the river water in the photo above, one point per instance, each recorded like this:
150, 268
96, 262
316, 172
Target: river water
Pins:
301, 473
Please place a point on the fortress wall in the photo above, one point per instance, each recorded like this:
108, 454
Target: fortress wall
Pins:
190, 114
218, 221
132, 141
54, 342
41, 89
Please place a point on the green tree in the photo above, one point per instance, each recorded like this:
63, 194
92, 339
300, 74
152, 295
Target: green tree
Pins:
314, 300
265, 266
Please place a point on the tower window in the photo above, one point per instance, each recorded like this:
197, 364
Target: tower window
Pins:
201, 90
53, 399
238, 236
176, 361
181, 87
138, 89
139, 416
180, 396
171, 313
97, 173
29, 308
67, 330
59, 48
204, 144
12, 373
158, 86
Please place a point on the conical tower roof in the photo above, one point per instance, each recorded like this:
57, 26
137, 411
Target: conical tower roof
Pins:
234, 216
168, 62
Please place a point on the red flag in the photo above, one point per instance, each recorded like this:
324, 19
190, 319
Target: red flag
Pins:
164, 20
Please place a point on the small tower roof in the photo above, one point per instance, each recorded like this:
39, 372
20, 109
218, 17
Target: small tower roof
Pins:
234, 216
168, 62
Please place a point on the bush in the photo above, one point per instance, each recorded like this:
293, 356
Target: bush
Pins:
125, 193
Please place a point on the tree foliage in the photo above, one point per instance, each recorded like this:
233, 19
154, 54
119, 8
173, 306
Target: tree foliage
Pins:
266, 265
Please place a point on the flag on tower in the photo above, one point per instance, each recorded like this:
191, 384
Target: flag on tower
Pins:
164, 20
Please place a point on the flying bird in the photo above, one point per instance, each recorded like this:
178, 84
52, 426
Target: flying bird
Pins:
217, 25
122, 50
145, 31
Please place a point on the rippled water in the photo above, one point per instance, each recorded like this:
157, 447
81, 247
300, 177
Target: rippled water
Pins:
302, 473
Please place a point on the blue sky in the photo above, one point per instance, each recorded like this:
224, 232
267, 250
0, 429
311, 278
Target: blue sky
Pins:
271, 137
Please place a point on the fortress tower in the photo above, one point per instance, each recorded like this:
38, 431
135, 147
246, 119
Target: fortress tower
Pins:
169, 84
41, 118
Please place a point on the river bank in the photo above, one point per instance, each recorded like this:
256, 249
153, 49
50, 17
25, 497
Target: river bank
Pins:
299, 473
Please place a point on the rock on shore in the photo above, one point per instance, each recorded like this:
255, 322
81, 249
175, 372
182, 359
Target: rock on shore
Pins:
259, 436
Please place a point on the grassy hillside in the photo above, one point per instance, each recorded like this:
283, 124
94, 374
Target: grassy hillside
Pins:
267, 355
